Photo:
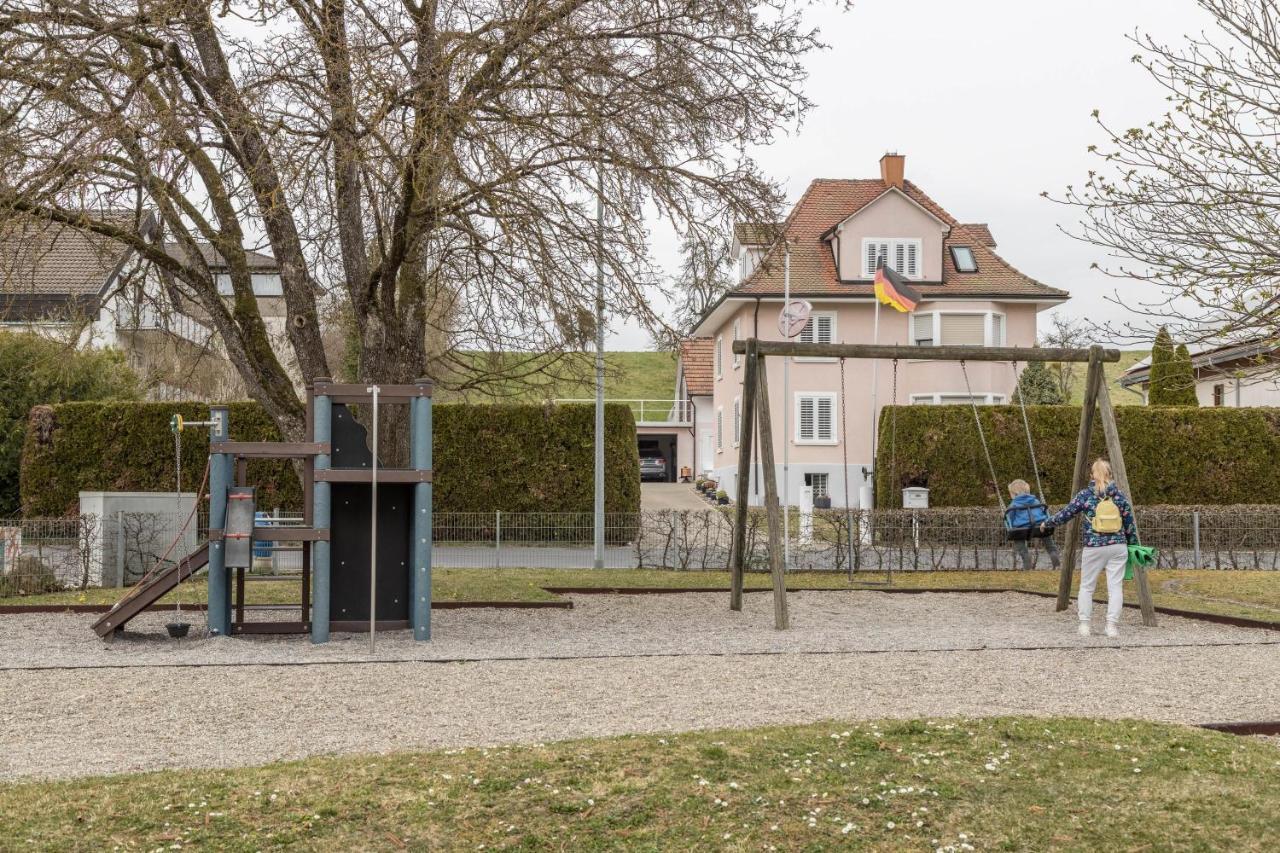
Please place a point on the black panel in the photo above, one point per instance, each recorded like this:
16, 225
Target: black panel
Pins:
349, 565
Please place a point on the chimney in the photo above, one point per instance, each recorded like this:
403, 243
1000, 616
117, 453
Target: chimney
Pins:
892, 167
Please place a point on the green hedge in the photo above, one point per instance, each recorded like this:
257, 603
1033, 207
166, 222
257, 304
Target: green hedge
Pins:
514, 458
1172, 455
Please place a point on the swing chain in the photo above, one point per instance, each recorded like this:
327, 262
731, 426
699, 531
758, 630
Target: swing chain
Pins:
1026, 425
982, 436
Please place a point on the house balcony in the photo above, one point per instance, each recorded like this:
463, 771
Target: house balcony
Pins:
649, 413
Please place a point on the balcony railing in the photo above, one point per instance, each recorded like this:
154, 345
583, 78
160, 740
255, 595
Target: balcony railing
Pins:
648, 412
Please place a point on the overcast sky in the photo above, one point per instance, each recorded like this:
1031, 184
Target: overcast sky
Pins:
990, 101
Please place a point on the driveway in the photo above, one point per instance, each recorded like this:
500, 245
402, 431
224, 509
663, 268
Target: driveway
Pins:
655, 496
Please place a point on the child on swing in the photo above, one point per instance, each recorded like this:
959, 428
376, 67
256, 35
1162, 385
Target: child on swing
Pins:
1025, 512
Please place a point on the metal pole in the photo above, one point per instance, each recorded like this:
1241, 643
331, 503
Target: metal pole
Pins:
497, 539
373, 530
322, 433
1195, 537
875, 396
420, 585
219, 613
599, 444
786, 417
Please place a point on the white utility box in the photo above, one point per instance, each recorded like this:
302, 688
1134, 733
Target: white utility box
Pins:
915, 497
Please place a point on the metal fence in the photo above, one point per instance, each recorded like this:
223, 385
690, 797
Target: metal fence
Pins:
43, 554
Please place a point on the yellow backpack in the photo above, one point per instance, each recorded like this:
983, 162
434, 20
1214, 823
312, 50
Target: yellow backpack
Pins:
1106, 517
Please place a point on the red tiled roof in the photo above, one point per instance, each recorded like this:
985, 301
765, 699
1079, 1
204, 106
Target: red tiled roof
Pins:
756, 233
828, 202
696, 357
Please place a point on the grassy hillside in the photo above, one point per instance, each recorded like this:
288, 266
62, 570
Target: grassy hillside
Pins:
1119, 396
628, 376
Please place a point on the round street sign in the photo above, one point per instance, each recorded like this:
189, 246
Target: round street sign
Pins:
794, 317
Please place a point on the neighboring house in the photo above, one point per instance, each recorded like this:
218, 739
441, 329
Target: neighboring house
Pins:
695, 385
91, 292
1231, 375
836, 235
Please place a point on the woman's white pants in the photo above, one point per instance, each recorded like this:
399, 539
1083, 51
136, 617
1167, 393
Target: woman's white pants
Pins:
1094, 560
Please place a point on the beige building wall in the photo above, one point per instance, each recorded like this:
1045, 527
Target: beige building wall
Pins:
890, 217
854, 415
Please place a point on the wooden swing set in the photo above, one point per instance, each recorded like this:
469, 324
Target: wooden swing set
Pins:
755, 405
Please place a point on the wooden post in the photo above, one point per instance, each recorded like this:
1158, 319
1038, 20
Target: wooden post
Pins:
772, 510
1092, 383
1114, 452
737, 553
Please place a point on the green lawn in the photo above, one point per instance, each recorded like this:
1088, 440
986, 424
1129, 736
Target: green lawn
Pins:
1000, 783
628, 376
1254, 595
1120, 396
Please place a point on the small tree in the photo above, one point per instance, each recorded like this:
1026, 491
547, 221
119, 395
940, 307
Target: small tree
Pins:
1037, 386
1182, 379
1160, 392
36, 370
1065, 333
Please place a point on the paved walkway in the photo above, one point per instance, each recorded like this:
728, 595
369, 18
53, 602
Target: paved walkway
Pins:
660, 496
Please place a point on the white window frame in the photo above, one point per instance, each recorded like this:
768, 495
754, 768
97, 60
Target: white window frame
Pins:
827, 482
737, 421
719, 429
719, 356
835, 417
893, 243
935, 398
737, 336
813, 324
988, 327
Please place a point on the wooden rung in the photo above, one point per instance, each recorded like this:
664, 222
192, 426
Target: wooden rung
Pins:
272, 449
340, 392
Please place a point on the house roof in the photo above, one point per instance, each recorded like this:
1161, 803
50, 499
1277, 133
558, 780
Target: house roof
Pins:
828, 202
1258, 351
696, 357
257, 261
38, 257
756, 233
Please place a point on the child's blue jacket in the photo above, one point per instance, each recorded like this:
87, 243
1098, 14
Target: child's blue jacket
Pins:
1024, 511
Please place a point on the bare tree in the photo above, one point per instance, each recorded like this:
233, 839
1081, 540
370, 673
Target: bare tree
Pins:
1066, 333
432, 165
703, 278
1190, 202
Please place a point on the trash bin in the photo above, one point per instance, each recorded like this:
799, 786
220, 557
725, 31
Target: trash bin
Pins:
262, 549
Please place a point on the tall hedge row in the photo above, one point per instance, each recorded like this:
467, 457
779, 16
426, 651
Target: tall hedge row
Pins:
1174, 455
514, 458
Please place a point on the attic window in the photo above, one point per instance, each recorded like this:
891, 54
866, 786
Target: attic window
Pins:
962, 257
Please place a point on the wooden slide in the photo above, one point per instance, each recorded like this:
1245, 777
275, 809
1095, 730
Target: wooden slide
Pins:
148, 592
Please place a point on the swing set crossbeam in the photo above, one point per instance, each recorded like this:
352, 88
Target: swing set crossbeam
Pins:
925, 353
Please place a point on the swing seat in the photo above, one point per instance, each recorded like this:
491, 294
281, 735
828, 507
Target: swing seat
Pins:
1023, 534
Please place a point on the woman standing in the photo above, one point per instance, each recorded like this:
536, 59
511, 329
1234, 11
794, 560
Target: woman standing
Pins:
1108, 531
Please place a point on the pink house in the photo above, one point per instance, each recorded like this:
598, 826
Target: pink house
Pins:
829, 247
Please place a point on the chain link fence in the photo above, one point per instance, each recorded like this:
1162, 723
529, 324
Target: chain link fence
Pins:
47, 554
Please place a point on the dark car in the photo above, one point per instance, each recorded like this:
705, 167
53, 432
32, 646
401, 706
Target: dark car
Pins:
653, 468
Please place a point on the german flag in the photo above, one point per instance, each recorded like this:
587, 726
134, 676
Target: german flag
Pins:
893, 290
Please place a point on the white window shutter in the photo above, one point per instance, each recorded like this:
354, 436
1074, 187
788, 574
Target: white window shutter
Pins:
719, 429
823, 331
912, 251
870, 259
997, 330
719, 357
900, 258
922, 328
825, 419
737, 421
964, 330
806, 425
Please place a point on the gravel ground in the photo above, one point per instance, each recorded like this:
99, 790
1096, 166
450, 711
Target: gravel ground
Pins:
937, 655
626, 625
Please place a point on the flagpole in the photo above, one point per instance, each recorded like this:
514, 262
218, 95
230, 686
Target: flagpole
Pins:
786, 419
875, 418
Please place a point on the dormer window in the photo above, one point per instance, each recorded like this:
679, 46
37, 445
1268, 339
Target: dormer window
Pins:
962, 257
900, 255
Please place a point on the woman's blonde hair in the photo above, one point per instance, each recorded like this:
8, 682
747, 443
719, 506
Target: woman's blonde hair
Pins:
1102, 476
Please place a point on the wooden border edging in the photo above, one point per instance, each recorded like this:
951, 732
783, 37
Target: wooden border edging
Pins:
1252, 728
19, 609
